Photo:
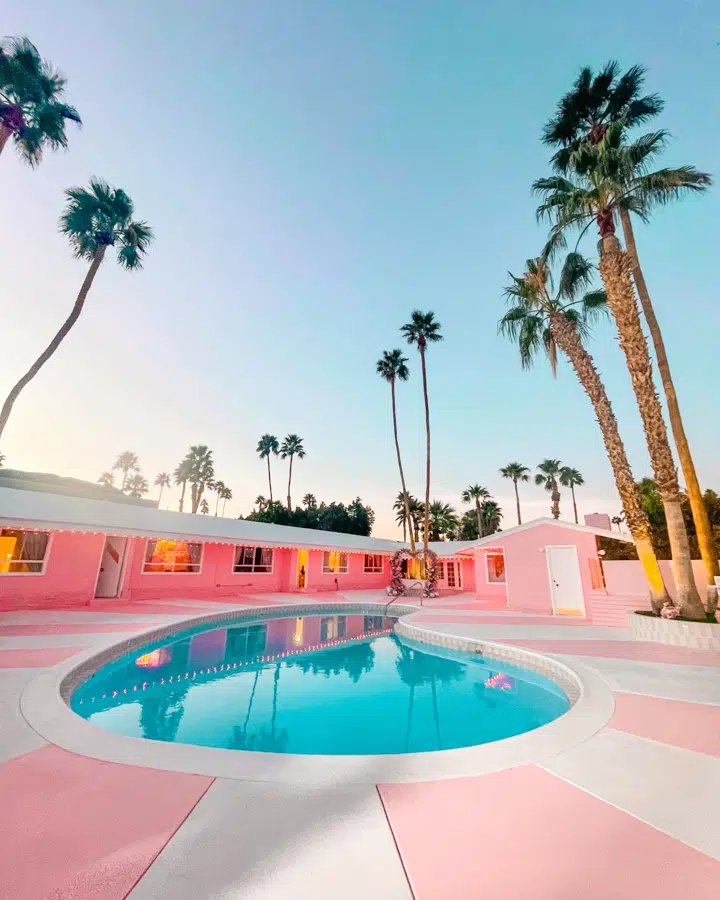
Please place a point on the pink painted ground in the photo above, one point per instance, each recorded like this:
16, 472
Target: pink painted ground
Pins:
695, 726
30, 659
78, 828
639, 651
525, 834
40, 629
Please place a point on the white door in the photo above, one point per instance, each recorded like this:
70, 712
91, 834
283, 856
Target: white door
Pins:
565, 581
111, 567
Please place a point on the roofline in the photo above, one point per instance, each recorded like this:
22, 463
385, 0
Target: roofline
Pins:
586, 529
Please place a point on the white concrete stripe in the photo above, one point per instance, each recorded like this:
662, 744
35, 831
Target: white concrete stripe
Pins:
674, 790
525, 632
67, 617
43, 641
252, 841
16, 736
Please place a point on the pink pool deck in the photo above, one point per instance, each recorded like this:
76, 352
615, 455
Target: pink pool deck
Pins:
632, 812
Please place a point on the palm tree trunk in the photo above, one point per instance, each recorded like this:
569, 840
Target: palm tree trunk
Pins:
406, 499
479, 517
217, 502
570, 343
572, 491
56, 341
5, 133
289, 481
615, 271
555, 497
125, 472
517, 500
706, 542
427, 463
269, 478
224, 502
182, 496
160, 495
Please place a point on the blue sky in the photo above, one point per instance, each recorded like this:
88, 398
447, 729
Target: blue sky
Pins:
314, 170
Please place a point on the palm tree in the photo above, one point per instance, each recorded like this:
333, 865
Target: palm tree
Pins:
32, 109
583, 117
571, 478
477, 493
417, 514
126, 462
218, 487
596, 194
136, 486
421, 330
226, 495
491, 516
93, 221
403, 513
204, 506
292, 446
261, 502
310, 501
443, 519
393, 367
107, 479
518, 472
543, 319
547, 475
267, 445
618, 520
3, 458
181, 476
201, 473
162, 481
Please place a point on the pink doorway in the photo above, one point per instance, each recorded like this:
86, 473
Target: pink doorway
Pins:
111, 567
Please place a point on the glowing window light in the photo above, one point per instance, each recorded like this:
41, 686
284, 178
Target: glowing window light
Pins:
154, 659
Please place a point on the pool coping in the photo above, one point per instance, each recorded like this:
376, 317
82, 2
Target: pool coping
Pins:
45, 708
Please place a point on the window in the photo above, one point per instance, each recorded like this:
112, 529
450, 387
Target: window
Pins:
372, 623
495, 568
373, 562
440, 569
253, 559
332, 628
451, 574
334, 562
167, 555
22, 552
246, 642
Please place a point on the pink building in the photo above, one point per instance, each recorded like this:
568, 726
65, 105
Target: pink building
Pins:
60, 551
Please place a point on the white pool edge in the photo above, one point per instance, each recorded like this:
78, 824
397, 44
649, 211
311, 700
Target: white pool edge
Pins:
46, 711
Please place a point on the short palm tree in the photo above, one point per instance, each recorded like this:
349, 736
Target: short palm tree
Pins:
162, 481
201, 473
595, 193
392, 367
136, 485
226, 494
32, 109
403, 514
476, 493
291, 447
107, 479
443, 519
126, 462
93, 221
517, 472
261, 502
310, 501
204, 506
181, 476
417, 515
218, 487
583, 117
543, 319
491, 516
268, 446
421, 330
547, 475
571, 478
3, 458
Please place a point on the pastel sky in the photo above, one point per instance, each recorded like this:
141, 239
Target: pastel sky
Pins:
314, 170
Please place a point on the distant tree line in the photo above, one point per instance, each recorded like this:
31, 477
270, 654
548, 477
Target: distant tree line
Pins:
355, 518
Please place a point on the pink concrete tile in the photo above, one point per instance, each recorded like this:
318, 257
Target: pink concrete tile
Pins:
30, 659
79, 828
636, 650
694, 726
69, 628
524, 833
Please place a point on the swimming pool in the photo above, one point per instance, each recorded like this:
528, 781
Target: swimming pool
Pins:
332, 684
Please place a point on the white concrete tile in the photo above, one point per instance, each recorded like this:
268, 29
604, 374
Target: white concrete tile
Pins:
45, 617
675, 790
528, 632
252, 841
42, 641
16, 736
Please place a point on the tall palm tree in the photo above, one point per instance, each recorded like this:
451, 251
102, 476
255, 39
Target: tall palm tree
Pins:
218, 487
201, 473
136, 486
310, 501
181, 476
421, 330
517, 472
571, 478
126, 462
491, 516
582, 118
226, 495
443, 519
403, 513
547, 475
476, 493
267, 446
93, 221
32, 109
107, 479
261, 502
162, 481
417, 515
543, 319
393, 367
292, 446
595, 196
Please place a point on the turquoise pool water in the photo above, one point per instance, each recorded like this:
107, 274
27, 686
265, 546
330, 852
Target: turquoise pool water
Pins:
335, 684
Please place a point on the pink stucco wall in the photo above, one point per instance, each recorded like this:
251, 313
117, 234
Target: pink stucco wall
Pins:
354, 579
71, 571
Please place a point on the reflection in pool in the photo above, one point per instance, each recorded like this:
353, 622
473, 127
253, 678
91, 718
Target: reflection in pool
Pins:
335, 684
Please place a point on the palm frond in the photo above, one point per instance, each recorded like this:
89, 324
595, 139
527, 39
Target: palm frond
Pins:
577, 272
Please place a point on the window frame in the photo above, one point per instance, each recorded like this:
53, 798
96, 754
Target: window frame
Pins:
331, 570
376, 569
488, 557
43, 562
253, 571
176, 540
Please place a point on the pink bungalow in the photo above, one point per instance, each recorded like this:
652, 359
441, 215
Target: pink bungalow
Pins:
59, 551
